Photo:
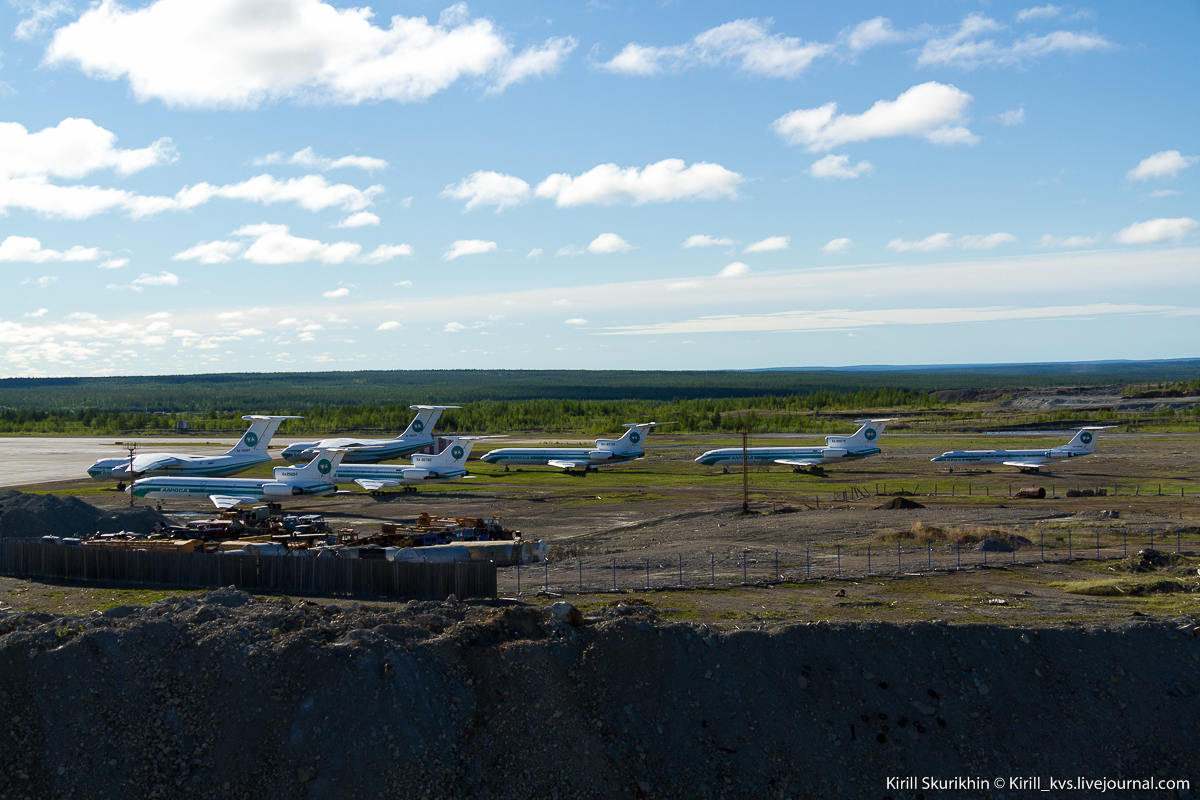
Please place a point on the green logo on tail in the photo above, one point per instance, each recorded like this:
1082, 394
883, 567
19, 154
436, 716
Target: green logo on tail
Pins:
456, 452
635, 437
869, 434
251, 439
418, 426
323, 466
1086, 438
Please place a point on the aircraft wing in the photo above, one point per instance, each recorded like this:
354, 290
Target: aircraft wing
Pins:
564, 464
1031, 463
229, 501
798, 462
149, 461
372, 485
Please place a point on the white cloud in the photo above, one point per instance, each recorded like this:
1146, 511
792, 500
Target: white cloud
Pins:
139, 284
735, 270
704, 240
222, 53
26, 248
44, 282
1066, 241
386, 252
840, 245
832, 166
272, 244
72, 149
403, 283
535, 253
941, 241
679, 286
468, 247
930, 110
569, 250
575, 321
872, 33
1040, 12
964, 48
938, 241
38, 14
1166, 164
334, 293
358, 220
1014, 116
535, 61
1164, 193
746, 42
768, 245
609, 243
453, 327
114, 263
390, 325
308, 158
487, 188
41, 312
661, 182
1157, 230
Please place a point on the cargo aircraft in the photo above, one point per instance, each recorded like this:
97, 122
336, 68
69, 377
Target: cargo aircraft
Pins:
314, 479
606, 452
250, 451
1083, 444
448, 465
837, 450
417, 436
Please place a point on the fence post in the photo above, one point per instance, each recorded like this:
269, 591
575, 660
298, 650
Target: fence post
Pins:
546, 563
806, 562
681, 569
1097, 544
929, 556
712, 565
1043, 546
868, 558
1014, 547
958, 552
518, 579
776, 563
1178, 540
839, 556
898, 570
614, 573
647, 573
581, 575
745, 579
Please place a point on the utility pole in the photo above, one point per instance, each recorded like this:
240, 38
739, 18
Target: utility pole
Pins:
132, 448
745, 475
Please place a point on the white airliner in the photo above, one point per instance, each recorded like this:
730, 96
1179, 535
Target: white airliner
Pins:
250, 451
417, 436
448, 465
314, 479
1084, 444
837, 449
606, 452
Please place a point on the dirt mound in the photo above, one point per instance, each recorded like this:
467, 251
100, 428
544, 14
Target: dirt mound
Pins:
31, 516
899, 502
224, 695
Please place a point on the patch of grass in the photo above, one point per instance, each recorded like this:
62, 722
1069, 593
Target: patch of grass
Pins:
1131, 586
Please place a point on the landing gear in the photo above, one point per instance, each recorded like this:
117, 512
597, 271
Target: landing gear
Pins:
120, 486
724, 470
506, 467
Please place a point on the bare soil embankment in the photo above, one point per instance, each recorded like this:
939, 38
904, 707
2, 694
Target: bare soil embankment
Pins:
226, 696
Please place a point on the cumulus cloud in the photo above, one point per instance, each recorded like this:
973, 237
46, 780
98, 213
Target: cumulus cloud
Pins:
1040, 12
1014, 116
839, 245
140, 283
966, 48
609, 243
390, 325
26, 248
487, 188
468, 247
664, 181
72, 149
575, 321
735, 270
748, 43
386, 252
272, 244
1156, 231
1066, 241
941, 241
769, 244
832, 166
113, 263
1166, 164
37, 15
535, 253
872, 33
930, 110
703, 240
453, 327
358, 220
335, 293
221, 54
308, 158
41, 312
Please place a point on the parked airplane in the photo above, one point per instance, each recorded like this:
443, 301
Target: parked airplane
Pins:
450, 464
250, 451
314, 479
607, 451
837, 449
1083, 444
417, 436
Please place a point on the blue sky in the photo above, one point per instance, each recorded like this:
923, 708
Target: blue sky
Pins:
288, 185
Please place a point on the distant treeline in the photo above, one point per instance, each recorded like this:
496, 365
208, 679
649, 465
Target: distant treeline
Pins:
767, 413
301, 392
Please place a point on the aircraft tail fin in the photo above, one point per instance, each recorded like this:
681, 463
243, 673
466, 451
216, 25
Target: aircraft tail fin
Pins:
258, 435
867, 434
632, 439
422, 424
1085, 438
454, 454
323, 465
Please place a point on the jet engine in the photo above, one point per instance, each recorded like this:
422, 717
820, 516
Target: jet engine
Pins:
281, 489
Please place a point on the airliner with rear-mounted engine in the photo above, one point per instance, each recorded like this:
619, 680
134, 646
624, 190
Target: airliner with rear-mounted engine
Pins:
606, 452
1083, 444
837, 450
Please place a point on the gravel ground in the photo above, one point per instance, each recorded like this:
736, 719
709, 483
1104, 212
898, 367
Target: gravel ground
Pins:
225, 696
